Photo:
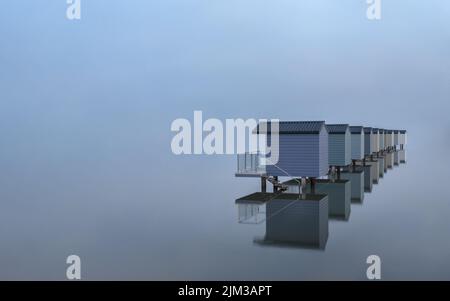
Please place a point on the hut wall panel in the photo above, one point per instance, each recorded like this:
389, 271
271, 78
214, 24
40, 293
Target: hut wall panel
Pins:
348, 147
301, 156
356, 183
372, 142
338, 149
323, 152
357, 146
402, 139
367, 143
389, 139
396, 139
377, 143
381, 139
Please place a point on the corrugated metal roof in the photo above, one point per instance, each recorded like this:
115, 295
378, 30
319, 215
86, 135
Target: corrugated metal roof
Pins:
356, 129
367, 130
294, 127
337, 128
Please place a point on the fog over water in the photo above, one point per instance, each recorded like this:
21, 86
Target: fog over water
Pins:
86, 166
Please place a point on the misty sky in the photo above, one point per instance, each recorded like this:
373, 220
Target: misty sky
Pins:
282, 59
86, 106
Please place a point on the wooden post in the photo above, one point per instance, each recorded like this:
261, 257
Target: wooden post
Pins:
313, 185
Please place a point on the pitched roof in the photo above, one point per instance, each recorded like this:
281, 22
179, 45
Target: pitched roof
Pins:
356, 129
293, 127
367, 130
337, 128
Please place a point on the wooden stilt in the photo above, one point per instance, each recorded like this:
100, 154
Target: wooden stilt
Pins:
263, 184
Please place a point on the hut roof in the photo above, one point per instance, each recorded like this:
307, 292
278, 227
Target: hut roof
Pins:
367, 130
337, 128
356, 129
293, 127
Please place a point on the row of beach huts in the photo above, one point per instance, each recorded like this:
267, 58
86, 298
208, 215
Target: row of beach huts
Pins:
310, 149
328, 166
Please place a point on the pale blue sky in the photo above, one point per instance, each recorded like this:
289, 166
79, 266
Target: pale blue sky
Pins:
127, 69
86, 108
321, 59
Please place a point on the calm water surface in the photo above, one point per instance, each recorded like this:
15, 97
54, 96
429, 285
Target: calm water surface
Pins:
86, 107
129, 216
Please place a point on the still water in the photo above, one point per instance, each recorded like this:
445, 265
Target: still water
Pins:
132, 217
86, 109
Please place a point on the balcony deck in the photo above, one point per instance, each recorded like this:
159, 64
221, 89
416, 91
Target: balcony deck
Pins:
249, 165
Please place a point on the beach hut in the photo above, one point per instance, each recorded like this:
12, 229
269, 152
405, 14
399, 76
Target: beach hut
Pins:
296, 222
303, 149
396, 134
389, 139
391, 132
368, 148
402, 138
375, 140
381, 139
357, 142
339, 144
